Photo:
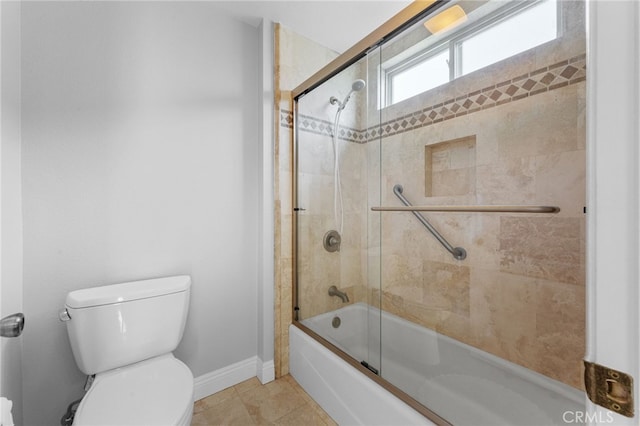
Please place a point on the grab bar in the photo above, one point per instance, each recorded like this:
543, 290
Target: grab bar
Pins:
457, 252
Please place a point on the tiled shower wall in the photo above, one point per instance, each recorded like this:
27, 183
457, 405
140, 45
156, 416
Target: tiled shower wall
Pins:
512, 133
520, 292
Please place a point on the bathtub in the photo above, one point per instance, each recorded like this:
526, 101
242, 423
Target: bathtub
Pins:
464, 385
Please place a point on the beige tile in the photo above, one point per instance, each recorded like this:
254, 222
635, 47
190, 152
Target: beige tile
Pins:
560, 331
503, 318
402, 276
215, 399
282, 401
542, 247
456, 326
483, 248
326, 419
507, 181
247, 385
420, 314
559, 356
561, 181
309, 401
303, 415
229, 412
271, 402
560, 308
446, 287
452, 182
519, 132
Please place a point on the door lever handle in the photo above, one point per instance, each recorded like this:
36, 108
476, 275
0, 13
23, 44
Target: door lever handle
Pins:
12, 325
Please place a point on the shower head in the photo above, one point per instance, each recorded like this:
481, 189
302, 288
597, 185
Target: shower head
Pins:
357, 85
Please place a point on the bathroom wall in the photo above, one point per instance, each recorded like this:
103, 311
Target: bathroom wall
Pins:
512, 133
11, 226
296, 59
140, 159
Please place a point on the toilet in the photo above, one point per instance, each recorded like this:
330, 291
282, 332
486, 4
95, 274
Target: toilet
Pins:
125, 334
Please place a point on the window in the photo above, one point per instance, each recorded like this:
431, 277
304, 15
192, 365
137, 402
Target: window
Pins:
410, 80
490, 39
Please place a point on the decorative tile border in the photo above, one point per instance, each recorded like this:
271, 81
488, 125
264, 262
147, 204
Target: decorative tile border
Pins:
324, 127
561, 74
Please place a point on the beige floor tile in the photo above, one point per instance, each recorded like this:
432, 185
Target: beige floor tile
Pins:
309, 401
281, 402
319, 411
269, 403
247, 385
215, 399
280, 386
229, 412
303, 415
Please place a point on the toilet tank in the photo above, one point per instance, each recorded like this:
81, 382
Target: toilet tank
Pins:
116, 325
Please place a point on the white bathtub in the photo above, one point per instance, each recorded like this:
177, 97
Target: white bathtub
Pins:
462, 384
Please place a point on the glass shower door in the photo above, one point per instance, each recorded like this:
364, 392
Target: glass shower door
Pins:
333, 247
482, 288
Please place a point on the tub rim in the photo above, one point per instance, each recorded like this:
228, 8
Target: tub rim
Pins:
403, 396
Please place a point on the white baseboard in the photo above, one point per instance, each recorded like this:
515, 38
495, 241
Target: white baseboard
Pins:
266, 371
217, 380
225, 377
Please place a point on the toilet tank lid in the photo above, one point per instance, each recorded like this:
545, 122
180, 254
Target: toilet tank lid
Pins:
125, 292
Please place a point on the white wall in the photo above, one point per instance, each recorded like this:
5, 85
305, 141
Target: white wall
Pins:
140, 159
11, 226
613, 226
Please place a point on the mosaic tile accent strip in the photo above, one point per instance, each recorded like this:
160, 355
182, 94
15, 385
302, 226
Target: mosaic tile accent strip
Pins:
323, 127
561, 74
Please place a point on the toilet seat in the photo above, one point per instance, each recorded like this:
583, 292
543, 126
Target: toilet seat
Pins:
154, 392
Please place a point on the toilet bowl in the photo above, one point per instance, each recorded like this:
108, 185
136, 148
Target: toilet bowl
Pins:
155, 392
125, 334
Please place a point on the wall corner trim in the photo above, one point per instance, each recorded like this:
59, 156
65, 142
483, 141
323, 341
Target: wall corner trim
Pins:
266, 371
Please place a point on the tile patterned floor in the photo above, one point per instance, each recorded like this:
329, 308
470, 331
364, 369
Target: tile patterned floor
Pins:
281, 402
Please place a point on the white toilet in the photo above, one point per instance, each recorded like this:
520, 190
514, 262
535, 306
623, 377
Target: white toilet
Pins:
125, 335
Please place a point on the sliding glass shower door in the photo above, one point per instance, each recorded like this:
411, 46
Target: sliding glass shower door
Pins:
336, 276
439, 212
482, 290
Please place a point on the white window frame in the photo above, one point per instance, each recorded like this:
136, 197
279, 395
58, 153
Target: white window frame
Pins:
420, 57
454, 45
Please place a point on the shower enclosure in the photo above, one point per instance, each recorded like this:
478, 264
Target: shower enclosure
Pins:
439, 193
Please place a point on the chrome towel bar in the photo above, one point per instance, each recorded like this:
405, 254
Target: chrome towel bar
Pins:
470, 209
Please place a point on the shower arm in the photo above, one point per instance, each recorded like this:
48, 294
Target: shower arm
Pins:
457, 252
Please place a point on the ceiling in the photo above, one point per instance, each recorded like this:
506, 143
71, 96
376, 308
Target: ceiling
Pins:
337, 25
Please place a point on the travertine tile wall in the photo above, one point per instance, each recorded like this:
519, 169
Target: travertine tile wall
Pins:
520, 292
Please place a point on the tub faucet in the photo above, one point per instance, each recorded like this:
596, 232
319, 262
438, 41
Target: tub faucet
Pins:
333, 291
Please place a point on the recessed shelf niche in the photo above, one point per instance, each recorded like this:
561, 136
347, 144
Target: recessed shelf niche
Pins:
450, 167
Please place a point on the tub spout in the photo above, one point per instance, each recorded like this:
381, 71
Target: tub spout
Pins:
333, 291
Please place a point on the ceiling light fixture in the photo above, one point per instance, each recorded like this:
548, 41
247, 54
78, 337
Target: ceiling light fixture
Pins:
446, 19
